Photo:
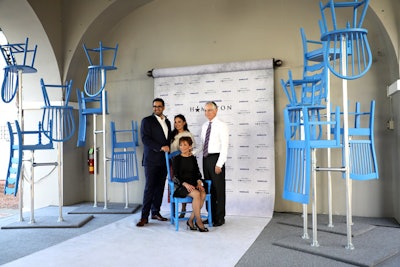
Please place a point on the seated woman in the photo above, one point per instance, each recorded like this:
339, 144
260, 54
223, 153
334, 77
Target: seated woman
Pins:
190, 183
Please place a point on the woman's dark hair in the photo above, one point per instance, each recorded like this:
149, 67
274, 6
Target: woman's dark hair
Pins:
187, 139
185, 127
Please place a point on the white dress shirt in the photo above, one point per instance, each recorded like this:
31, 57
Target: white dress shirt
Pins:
163, 125
219, 139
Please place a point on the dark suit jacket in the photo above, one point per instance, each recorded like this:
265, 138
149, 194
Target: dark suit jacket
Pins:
153, 139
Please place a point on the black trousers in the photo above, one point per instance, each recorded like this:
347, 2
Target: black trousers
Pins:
218, 192
154, 189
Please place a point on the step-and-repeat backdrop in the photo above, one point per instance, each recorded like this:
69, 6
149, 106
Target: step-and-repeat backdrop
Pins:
244, 94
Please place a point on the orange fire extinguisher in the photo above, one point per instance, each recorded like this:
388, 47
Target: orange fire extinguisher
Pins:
91, 160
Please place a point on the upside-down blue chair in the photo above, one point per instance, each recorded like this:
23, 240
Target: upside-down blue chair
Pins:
88, 106
96, 77
175, 201
363, 163
19, 58
16, 153
349, 41
59, 117
124, 165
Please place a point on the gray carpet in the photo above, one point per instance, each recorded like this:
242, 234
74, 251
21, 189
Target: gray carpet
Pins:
281, 245
68, 221
339, 224
112, 208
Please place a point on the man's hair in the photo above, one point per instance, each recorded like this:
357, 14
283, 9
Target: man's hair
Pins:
159, 100
188, 139
212, 103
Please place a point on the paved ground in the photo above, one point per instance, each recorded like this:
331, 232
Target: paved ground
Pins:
8, 203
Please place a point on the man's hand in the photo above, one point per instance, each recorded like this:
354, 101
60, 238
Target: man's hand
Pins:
165, 148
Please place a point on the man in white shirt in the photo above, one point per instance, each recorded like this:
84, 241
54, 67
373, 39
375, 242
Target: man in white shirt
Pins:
215, 138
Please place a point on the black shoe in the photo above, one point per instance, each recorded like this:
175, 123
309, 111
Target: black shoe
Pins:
204, 229
142, 222
219, 223
205, 222
159, 218
193, 228
182, 215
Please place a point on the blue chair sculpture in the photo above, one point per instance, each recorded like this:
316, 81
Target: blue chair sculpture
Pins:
59, 117
124, 165
18, 57
349, 41
96, 77
88, 106
304, 122
16, 153
175, 201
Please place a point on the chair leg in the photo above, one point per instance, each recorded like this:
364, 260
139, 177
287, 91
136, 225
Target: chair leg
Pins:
176, 211
209, 215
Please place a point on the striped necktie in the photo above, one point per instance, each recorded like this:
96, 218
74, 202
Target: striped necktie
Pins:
205, 148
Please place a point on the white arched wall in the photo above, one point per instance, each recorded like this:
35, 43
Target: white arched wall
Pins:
18, 21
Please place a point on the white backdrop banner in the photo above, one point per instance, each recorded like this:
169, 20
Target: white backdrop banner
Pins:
244, 94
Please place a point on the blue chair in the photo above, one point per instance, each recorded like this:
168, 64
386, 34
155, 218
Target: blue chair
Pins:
124, 165
88, 106
301, 135
175, 201
18, 57
96, 77
16, 153
363, 163
348, 41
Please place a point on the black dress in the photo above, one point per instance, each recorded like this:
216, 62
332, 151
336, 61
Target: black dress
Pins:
186, 170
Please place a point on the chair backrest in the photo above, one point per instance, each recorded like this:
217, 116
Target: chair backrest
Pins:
66, 91
61, 115
314, 87
168, 158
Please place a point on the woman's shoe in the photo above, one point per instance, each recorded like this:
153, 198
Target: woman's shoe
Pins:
193, 228
204, 229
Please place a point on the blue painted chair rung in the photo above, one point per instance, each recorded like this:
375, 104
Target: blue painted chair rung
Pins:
175, 201
124, 165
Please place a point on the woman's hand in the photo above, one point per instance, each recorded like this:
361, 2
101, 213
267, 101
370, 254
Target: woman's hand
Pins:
189, 187
200, 188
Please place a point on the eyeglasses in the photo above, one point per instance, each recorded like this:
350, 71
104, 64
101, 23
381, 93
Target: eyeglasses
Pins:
158, 106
